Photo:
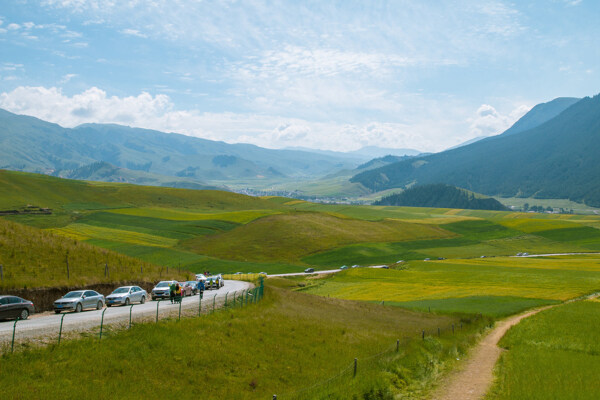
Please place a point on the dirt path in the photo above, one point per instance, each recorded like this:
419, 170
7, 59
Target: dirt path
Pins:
473, 380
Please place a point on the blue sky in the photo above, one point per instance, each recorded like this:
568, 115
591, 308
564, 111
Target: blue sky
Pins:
334, 75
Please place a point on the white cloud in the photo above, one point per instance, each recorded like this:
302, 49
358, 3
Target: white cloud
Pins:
157, 112
66, 78
488, 121
13, 27
133, 32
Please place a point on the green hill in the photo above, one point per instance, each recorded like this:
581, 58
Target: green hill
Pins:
558, 159
442, 196
33, 145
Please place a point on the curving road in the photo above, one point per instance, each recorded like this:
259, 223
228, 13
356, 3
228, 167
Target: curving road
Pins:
47, 325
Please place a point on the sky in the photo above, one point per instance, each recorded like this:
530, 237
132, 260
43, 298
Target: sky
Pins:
333, 75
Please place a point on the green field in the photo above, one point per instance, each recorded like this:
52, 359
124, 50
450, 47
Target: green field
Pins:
552, 355
283, 345
227, 232
492, 286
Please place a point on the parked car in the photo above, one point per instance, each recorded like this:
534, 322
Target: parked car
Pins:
186, 289
263, 273
344, 267
126, 295
214, 282
79, 300
161, 290
15, 307
200, 277
309, 270
193, 285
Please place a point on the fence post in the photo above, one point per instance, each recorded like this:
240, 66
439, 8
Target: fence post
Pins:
453, 329
60, 330
438, 332
355, 366
102, 322
1, 273
157, 304
423, 335
180, 302
130, 310
67, 262
12, 346
234, 298
397, 345
214, 297
226, 299
200, 302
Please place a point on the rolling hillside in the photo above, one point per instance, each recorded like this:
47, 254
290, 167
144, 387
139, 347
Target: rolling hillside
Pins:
33, 145
557, 159
440, 195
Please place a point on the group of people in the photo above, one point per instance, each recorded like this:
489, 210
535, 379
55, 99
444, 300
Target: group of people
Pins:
175, 291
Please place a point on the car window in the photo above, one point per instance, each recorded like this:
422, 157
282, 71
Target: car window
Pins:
121, 290
134, 289
14, 300
71, 295
90, 293
4, 300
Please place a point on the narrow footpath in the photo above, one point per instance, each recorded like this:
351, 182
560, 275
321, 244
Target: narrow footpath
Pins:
475, 377
472, 381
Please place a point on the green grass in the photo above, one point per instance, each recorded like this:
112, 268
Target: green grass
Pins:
289, 237
34, 258
227, 232
552, 355
489, 279
491, 306
288, 342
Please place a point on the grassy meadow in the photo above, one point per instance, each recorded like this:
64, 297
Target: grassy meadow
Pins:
552, 355
283, 345
227, 232
495, 286
32, 257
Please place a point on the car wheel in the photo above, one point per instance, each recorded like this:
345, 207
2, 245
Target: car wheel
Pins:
127, 302
78, 307
108, 305
99, 306
143, 300
24, 314
57, 311
153, 298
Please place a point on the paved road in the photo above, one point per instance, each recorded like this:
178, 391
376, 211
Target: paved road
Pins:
47, 324
329, 271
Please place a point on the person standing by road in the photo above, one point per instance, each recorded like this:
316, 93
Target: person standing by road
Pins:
172, 292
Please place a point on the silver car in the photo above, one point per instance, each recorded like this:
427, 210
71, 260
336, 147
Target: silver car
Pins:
126, 295
79, 300
161, 290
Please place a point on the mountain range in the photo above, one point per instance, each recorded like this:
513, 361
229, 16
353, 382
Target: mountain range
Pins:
152, 157
551, 152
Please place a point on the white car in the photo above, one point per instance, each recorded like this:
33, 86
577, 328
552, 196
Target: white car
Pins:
125, 295
201, 277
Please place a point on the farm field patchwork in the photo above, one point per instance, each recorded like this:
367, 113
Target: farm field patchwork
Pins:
228, 232
492, 286
552, 355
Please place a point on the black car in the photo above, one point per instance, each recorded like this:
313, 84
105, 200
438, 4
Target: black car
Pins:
15, 307
309, 270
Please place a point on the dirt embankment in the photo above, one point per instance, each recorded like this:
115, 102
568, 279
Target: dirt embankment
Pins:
43, 298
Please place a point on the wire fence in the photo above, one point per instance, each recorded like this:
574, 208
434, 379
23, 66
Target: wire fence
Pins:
344, 382
26, 333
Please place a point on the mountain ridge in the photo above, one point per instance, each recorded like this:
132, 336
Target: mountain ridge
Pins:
556, 159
